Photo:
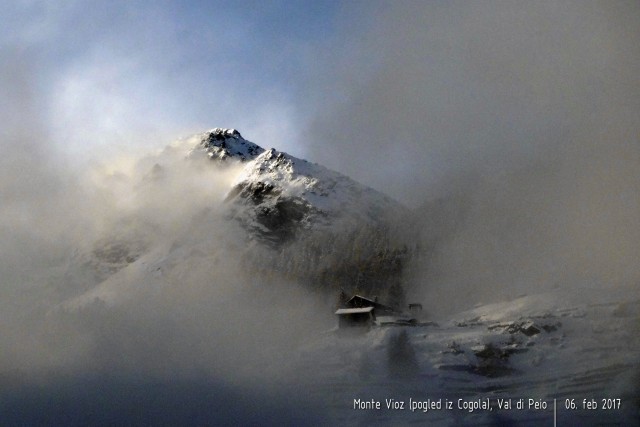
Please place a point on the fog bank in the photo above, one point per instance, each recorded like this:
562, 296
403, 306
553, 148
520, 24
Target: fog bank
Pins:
520, 119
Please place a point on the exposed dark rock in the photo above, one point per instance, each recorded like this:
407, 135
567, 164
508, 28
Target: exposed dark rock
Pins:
493, 360
223, 143
490, 351
257, 191
470, 322
283, 218
527, 328
280, 218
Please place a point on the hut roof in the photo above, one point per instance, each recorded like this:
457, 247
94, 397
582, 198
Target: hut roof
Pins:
354, 310
360, 301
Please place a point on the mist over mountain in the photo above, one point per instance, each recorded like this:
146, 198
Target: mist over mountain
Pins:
206, 262
214, 265
479, 158
279, 218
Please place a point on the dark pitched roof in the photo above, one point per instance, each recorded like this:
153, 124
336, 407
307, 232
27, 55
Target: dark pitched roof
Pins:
360, 301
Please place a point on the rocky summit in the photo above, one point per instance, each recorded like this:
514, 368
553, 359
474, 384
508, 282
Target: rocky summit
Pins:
277, 196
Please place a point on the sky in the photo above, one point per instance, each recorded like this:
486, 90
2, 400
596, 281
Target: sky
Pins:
426, 88
107, 76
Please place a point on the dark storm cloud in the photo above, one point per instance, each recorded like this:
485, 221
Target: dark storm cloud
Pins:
112, 76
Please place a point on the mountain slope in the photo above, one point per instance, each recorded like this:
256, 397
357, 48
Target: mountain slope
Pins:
283, 218
277, 195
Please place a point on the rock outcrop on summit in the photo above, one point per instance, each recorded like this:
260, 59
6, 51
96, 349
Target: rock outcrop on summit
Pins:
221, 144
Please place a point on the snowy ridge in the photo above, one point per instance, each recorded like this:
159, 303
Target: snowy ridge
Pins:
328, 191
275, 175
277, 195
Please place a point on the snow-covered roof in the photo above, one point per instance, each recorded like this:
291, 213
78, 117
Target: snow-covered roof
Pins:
354, 310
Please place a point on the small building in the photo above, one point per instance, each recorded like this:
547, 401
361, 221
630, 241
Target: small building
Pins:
358, 301
362, 311
415, 309
361, 316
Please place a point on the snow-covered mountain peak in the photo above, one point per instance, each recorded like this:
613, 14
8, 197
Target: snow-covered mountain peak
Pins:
278, 194
222, 143
248, 202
